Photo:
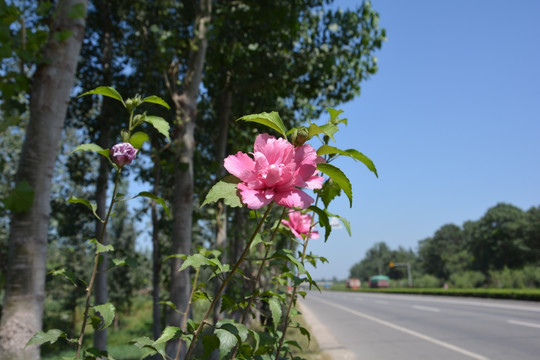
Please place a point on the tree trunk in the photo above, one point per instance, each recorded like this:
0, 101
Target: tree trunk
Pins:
184, 142
49, 95
221, 215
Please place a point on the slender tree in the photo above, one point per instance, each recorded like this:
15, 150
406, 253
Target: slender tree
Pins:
49, 95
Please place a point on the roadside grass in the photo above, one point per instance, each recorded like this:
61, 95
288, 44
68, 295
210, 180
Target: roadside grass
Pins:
138, 323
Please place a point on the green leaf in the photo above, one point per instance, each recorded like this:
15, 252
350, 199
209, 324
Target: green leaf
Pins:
329, 191
77, 11
305, 332
225, 189
170, 332
334, 116
226, 341
156, 100
326, 129
272, 120
288, 255
106, 311
338, 177
21, 198
323, 220
138, 139
146, 345
106, 91
100, 248
93, 148
42, 337
156, 198
195, 261
92, 206
344, 221
355, 154
275, 309
210, 343
229, 333
160, 124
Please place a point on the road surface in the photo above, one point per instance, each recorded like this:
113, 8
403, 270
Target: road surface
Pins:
411, 327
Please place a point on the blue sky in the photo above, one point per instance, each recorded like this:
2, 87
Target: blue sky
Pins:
451, 120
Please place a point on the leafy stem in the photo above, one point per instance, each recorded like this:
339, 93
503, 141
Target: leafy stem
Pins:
96, 263
226, 281
184, 321
295, 287
258, 277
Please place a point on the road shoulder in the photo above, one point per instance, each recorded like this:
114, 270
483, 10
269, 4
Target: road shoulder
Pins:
328, 343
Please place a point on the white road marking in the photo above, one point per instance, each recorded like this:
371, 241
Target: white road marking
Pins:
523, 323
484, 303
426, 308
405, 330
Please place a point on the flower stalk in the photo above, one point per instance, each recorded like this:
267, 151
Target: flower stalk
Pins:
225, 282
96, 263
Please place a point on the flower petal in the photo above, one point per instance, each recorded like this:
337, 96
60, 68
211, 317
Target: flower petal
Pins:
240, 165
315, 182
293, 198
254, 199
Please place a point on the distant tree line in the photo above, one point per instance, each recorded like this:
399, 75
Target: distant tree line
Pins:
501, 250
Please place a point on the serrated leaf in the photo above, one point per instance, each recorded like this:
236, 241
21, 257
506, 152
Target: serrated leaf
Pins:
275, 309
92, 206
106, 91
170, 332
21, 198
344, 221
272, 120
100, 248
156, 198
329, 191
326, 129
288, 255
225, 189
334, 116
160, 124
93, 148
50, 336
146, 345
338, 177
355, 154
156, 100
226, 341
195, 261
138, 139
323, 221
106, 311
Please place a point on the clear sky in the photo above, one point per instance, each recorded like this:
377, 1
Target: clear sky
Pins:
451, 120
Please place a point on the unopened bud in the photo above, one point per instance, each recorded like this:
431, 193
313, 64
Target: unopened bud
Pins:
299, 136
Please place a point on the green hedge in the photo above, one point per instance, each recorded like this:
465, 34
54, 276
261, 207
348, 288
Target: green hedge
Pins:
514, 294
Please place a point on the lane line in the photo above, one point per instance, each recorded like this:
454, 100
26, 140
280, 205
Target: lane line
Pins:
426, 308
523, 323
462, 302
405, 330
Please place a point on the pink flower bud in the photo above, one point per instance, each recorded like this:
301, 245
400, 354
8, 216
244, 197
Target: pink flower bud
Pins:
123, 153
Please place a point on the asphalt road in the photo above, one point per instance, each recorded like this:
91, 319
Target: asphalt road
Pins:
409, 327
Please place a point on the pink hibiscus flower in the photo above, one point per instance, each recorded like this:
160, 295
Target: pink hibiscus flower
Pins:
276, 172
300, 225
